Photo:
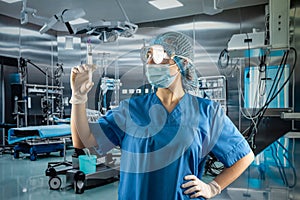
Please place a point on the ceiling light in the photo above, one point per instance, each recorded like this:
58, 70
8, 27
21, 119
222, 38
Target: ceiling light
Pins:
165, 4
78, 21
11, 1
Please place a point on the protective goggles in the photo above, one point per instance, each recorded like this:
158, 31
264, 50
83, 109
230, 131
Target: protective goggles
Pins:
156, 53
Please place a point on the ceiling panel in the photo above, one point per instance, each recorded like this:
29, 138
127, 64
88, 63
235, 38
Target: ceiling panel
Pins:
138, 11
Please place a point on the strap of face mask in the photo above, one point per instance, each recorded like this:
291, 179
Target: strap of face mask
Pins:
180, 63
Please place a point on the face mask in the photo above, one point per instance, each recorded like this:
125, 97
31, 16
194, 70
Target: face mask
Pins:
159, 75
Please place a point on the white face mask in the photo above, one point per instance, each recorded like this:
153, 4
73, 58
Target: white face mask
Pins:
159, 75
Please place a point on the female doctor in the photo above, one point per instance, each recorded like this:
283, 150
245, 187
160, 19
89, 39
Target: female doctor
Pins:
164, 136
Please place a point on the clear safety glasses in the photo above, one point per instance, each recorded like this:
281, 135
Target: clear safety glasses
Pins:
155, 53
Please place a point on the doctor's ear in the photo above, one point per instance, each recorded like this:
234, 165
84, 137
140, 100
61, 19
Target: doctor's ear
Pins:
185, 62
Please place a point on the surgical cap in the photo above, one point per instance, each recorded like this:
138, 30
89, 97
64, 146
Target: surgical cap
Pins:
175, 43
179, 47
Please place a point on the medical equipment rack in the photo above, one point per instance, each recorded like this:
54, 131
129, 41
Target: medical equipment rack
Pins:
214, 88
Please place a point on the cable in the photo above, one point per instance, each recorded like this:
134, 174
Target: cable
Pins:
262, 64
280, 72
223, 56
276, 158
262, 71
249, 117
281, 166
249, 61
235, 66
268, 101
261, 112
291, 164
290, 75
37, 67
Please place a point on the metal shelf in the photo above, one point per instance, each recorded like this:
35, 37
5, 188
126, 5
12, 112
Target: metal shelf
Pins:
214, 88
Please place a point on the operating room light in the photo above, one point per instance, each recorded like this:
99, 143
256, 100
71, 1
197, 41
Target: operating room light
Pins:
165, 4
108, 36
78, 21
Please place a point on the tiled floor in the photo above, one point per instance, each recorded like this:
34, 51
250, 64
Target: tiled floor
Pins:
22, 179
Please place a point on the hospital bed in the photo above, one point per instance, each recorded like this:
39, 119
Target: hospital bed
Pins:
36, 140
4, 148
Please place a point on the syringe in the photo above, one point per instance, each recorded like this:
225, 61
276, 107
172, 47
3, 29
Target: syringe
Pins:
89, 58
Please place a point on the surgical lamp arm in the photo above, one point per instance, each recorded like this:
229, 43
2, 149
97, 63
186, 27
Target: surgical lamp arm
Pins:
26, 10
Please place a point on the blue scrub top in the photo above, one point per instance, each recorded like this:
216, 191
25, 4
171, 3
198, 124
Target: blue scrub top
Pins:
160, 148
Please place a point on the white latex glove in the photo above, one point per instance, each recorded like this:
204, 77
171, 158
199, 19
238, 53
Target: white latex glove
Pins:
81, 83
197, 188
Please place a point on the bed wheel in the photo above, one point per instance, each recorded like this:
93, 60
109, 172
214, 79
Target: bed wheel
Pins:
16, 154
54, 183
33, 154
61, 153
79, 178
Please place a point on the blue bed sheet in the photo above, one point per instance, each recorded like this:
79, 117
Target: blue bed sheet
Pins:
36, 132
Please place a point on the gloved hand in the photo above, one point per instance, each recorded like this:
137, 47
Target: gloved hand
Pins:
81, 83
198, 188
